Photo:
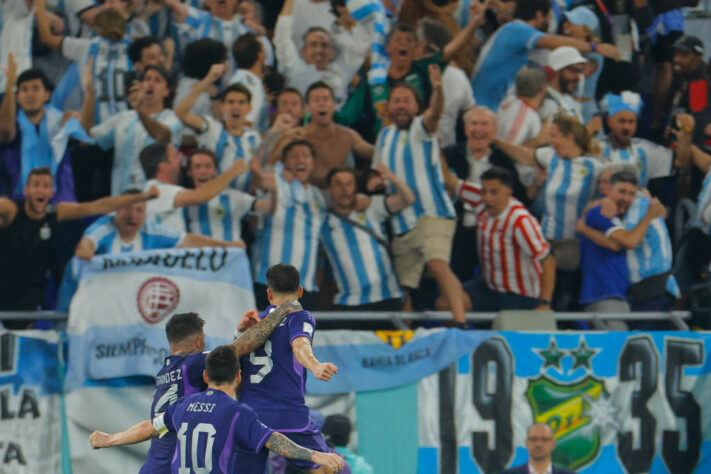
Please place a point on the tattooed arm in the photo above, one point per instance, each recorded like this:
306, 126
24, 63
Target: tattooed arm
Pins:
283, 446
257, 335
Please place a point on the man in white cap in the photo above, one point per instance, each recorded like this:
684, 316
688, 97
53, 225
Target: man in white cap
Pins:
651, 160
568, 66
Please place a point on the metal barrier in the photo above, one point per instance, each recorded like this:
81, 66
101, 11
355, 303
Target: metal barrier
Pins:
398, 319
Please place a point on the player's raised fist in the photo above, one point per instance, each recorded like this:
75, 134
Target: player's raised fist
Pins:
331, 461
249, 319
325, 371
99, 439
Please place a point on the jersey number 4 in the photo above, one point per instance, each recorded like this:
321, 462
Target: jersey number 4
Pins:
209, 430
265, 361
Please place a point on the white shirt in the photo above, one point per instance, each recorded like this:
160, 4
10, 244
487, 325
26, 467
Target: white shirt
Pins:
300, 75
307, 14
162, 210
532, 470
518, 122
126, 134
15, 37
458, 98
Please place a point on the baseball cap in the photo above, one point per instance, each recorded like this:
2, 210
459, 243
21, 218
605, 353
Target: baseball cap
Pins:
583, 16
565, 56
690, 44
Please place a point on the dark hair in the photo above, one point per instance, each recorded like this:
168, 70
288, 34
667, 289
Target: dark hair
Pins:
434, 33
318, 85
152, 156
526, 9
200, 54
337, 430
245, 50
411, 88
316, 29
204, 151
131, 191
239, 88
624, 176
399, 27
290, 90
34, 73
135, 49
287, 149
168, 101
222, 365
41, 171
340, 169
182, 326
283, 278
502, 174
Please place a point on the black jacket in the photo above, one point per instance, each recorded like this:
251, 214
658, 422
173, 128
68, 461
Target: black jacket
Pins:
456, 156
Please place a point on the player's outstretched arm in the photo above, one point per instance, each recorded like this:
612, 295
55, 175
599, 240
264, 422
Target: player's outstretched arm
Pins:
283, 446
304, 354
258, 334
142, 431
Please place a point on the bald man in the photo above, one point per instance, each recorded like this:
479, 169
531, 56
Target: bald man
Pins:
540, 443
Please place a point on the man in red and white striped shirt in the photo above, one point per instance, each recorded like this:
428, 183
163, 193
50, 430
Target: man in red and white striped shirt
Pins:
517, 270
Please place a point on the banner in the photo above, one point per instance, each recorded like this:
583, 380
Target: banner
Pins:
616, 402
31, 430
117, 337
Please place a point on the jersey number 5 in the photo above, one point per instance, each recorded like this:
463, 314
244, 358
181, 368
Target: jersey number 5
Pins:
265, 361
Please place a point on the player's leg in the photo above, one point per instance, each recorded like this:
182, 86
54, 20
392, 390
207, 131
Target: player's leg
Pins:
310, 438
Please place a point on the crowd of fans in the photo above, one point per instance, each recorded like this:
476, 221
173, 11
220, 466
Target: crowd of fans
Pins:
402, 154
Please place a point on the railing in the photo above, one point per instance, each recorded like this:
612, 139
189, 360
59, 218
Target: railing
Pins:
398, 319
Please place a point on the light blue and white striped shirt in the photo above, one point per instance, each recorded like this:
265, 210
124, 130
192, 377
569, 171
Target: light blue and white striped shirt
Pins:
413, 155
570, 184
201, 24
702, 203
654, 255
361, 265
104, 234
291, 235
652, 161
110, 63
126, 134
220, 217
229, 148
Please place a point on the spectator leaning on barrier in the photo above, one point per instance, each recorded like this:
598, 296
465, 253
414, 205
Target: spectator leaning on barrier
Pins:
356, 245
28, 229
517, 269
540, 443
161, 164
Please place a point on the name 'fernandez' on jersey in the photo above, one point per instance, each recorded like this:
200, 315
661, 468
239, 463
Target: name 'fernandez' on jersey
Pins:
180, 376
273, 381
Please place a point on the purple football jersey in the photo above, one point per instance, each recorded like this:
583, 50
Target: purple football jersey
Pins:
180, 376
212, 428
273, 382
